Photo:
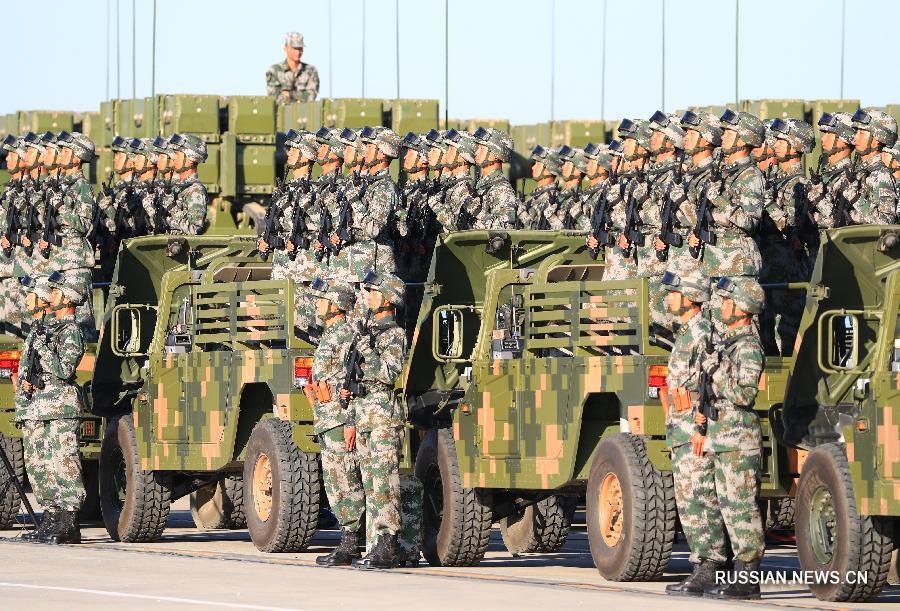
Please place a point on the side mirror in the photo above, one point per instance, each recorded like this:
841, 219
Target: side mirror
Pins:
447, 337
129, 329
838, 341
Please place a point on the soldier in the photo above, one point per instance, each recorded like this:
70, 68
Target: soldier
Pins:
49, 408
156, 201
627, 219
459, 207
788, 237
415, 250
189, 213
332, 416
51, 194
613, 198
734, 438
872, 195
119, 204
440, 176
545, 169
330, 187
764, 156
568, 202
835, 171
692, 469
292, 80
73, 255
10, 211
594, 164
499, 201
378, 417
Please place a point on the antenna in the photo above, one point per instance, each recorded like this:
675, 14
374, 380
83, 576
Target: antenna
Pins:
134, 48
363, 49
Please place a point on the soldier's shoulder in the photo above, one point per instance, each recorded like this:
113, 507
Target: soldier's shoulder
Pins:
310, 69
277, 67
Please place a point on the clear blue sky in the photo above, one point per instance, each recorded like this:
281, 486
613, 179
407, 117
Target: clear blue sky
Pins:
500, 52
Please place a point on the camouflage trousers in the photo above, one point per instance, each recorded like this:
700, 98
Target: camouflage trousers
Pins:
10, 298
656, 299
698, 505
378, 451
305, 319
342, 480
618, 266
52, 462
737, 488
409, 538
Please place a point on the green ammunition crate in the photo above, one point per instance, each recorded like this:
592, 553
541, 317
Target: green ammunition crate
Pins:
814, 110
208, 171
92, 126
9, 124
352, 112
133, 118
417, 116
40, 121
107, 121
189, 114
776, 109
251, 118
579, 133
300, 115
245, 168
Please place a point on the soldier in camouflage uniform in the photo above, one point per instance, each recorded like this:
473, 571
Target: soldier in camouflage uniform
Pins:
50, 411
330, 187
459, 208
51, 189
119, 206
835, 172
499, 202
545, 168
440, 175
734, 438
635, 136
157, 197
787, 237
378, 417
764, 156
31, 203
569, 201
292, 80
414, 254
10, 202
188, 215
332, 417
692, 469
872, 194
593, 163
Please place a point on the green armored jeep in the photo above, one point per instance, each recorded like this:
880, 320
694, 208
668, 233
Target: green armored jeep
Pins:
199, 373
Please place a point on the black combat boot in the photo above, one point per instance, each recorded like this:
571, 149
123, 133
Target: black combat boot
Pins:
346, 551
745, 587
704, 576
383, 554
48, 521
67, 530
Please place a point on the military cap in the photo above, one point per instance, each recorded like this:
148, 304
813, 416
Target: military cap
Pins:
839, 124
497, 142
384, 139
549, 157
637, 129
881, 125
294, 39
693, 286
39, 286
748, 126
668, 125
303, 140
70, 290
745, 291
601, 153
193, 146
415, 142
391, 288
82, 146
799, 134
341, 295
329, 136
706, 123
463, 142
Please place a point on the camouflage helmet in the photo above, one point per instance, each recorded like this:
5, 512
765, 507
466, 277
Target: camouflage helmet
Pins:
193, 146
670, 126
706, 123
385, 140
82, 146
637, 129
121, 144
329, 137
693, 286
70, 290
349, 137
748, 126
435, 139
549, 158
48, 140
144, 146
881, 125
799, 134
391, 288
32, 141
575, 155
303, 140
745, 291
11, 144
464, 144
497, 142
839, 124
317, 288
600, 152
415, 142
39, 286
770, 135
341, 295
892, 153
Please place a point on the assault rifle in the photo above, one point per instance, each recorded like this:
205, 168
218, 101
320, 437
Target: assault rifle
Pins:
160, 214
667, 215
601, 217
705, 405
353, 372
326, 228
272, 221
11, 231
704, 211
633, 221
803, 221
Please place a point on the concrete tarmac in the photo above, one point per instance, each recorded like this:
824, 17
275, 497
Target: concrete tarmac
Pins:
191, 568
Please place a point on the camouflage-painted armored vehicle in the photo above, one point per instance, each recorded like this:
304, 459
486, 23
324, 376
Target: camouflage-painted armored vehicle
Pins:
199, 373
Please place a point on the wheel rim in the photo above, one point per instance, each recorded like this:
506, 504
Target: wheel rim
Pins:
434, 498
262, 487
822, 525
611, 509
120, 478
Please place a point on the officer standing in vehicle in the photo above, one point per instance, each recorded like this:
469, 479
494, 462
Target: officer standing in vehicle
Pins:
734, 437
836, 171
872, 195
189, 215
49, 407
293, 80
692, 469
499, 202
333, 418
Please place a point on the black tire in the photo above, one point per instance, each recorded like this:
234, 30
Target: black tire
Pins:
631, 530
779, 514
832, 536
456, 523
9, 496
135, 503
90, 508
281, 516
220, 504
540, 527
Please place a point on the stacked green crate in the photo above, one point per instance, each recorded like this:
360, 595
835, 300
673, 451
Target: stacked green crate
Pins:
405, 115
352, 112
814, 110
133, 118
578, 133
470, 125
9, 124
40, 121
776, 109
247, 153
300, 115
198, 115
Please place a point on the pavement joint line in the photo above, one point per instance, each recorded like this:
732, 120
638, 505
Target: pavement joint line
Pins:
430, 572
153, 597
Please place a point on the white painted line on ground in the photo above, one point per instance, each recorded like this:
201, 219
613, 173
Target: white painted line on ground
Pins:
168, 599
